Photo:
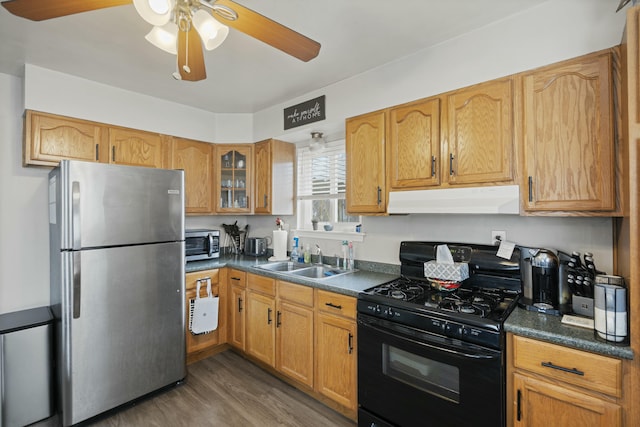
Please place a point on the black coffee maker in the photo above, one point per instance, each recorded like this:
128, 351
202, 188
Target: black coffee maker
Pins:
541, 282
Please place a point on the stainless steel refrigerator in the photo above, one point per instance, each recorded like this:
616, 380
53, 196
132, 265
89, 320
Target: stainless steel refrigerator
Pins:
117, 284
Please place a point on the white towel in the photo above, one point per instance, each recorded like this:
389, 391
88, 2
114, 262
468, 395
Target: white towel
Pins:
204, 314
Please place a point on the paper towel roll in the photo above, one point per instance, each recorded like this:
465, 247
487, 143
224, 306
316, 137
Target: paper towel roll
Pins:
280, 245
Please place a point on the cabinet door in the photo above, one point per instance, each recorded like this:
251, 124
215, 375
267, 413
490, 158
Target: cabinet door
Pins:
480, 134
233, 165
365, 150
414, 140
540, 404
136, 148
262, 156
196, 159
294, 325
237, 321
201, 341
50, 138
568, 137
336, 375
260, 328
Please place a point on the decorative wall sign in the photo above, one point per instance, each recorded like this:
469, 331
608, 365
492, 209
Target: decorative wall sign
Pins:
304, 113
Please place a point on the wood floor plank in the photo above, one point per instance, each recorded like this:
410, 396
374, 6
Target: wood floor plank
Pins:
226, 390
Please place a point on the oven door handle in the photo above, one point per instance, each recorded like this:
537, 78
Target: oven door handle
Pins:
469, 351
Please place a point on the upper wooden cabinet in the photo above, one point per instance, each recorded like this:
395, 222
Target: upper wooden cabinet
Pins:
414, 145
136, 148
274, 177
480, 134
366, 169
196, 159
50, 138
568, 136
234, 166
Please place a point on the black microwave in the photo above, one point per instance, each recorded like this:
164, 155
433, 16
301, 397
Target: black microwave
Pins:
202, 244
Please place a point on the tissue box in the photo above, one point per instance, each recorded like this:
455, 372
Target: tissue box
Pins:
457, 271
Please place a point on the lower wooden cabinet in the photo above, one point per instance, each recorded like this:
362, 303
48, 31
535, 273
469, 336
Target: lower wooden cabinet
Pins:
260, 328
336, 356
237, 307
554, 385
542, 403
200, 343
294, 332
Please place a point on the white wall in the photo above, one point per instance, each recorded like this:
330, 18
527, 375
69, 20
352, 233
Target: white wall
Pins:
555, 30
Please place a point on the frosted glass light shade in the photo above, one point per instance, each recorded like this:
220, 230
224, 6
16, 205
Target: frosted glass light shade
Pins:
211, 31
155, 12
165, 37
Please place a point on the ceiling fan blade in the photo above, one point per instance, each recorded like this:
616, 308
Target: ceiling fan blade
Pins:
40, 10
190, 57
270, 32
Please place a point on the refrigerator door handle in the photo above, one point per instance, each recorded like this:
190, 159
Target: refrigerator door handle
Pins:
75, 216
76, 284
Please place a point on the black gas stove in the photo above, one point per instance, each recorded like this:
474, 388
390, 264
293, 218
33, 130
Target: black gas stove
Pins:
476, 310
425, 350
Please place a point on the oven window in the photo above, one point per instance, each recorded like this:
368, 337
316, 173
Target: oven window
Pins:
428, 375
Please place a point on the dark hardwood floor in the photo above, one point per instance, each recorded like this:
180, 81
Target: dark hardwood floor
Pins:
226, 390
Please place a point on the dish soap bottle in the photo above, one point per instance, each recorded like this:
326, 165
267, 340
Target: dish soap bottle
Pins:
301, 254
294, 250
307, 256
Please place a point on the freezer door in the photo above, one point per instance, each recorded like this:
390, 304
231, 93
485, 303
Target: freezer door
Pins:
100, 205
123, 327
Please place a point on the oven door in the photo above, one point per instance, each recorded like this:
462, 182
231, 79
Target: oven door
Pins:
409, 377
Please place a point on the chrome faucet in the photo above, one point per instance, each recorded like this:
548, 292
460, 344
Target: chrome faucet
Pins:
319, 253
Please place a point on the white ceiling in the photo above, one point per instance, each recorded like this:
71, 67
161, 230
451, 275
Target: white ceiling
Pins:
244, 74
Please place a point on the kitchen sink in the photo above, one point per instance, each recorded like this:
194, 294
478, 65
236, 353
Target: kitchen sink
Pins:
283, 266
320, 272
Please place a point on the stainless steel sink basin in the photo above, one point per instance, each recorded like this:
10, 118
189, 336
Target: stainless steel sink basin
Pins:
320, 272
283, 266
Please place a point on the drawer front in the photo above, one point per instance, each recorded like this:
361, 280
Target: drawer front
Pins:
191, 279
339, 304
592, 371
298, 294
237, 278
261, 284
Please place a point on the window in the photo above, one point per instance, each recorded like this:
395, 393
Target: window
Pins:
321, 187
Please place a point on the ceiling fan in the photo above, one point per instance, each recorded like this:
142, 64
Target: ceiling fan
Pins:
183, 27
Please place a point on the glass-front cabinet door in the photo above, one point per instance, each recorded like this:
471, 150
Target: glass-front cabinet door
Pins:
234, 170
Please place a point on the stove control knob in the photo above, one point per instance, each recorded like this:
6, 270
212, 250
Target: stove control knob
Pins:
390, 312
378, 309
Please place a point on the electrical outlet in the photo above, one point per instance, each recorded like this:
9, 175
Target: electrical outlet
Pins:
498, 236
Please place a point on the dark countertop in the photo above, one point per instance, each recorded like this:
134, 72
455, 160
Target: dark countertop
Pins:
546, 327
348, 284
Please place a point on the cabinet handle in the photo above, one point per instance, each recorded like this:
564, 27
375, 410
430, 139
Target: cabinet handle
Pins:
530, 188
248, 204
339, 307
379, 195
239, 305
268, 316
350, 343
451, 171
235, 278
113, 154
97, 153
265, 200
562, 368
433, 165
518, 406
278, 323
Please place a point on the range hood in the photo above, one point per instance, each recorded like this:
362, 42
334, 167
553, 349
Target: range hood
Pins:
503, 199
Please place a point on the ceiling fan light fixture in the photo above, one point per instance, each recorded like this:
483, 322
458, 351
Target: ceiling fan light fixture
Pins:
155, 12
212, 32
165, 37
